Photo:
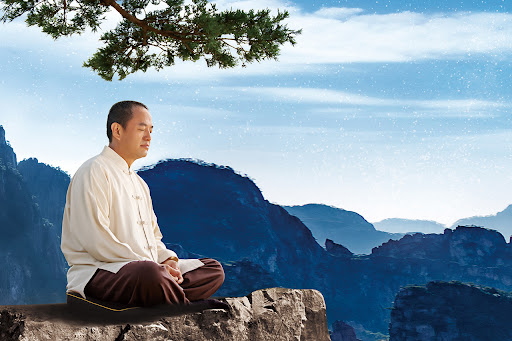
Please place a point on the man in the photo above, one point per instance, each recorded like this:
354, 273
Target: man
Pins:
110, 235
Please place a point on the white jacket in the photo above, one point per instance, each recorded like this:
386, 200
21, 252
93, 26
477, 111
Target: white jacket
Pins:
109, 221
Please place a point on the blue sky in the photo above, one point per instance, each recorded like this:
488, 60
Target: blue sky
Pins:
387, 108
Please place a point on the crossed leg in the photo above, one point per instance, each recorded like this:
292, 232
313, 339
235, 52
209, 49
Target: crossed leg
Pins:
146, 283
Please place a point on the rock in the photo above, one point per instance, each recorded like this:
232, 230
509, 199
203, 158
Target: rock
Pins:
451, 311
7, 155
268, 314
342, 331
337, 250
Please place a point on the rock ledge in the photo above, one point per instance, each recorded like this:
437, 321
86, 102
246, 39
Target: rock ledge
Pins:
268, 314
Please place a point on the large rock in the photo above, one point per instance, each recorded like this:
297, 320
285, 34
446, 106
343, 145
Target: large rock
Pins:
451, 311
269, 314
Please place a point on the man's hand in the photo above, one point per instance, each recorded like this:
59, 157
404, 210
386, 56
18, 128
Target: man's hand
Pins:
172, 267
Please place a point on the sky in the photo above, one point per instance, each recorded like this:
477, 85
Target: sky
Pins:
391, 109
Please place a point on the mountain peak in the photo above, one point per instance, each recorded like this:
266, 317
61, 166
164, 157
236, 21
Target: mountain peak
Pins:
6, 152
2, 135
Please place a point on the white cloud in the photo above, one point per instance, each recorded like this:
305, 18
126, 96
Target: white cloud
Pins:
337, 12
331, 35
398, 37
326, 96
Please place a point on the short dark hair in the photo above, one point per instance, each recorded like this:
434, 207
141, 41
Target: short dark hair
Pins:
121, 113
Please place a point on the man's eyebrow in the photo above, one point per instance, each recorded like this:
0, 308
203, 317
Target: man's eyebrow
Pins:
145, 125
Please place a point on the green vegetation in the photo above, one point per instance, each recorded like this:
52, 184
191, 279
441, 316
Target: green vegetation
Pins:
154, 33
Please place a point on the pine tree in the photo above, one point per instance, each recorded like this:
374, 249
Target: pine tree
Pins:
154, 33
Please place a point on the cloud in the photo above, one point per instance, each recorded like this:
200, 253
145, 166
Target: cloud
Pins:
337, 12
398, 37
344, 99
331, 35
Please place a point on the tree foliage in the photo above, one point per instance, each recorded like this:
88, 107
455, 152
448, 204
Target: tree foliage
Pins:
155, 33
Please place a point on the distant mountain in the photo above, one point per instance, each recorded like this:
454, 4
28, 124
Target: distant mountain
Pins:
501, 222
347, 228
26, 239
408, 226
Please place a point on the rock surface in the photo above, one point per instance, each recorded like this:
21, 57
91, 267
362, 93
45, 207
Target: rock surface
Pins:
451, 311
268, 314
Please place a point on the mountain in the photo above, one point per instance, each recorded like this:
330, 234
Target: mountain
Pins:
466, 254
213, 211
501, 222
209, 210
465, 245
48, 185
451, 311
27, 239
408, 226
343, 227
6, 152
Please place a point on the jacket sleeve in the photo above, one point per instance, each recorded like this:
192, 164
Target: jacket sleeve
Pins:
88, 209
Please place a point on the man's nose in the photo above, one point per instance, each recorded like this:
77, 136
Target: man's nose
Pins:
147, 136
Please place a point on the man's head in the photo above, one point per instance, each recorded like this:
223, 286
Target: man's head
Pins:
121, 113
129, 129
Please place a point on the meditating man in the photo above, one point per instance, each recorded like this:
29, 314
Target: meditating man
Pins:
110, 235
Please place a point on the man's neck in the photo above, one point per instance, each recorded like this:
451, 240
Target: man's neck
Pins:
116, 148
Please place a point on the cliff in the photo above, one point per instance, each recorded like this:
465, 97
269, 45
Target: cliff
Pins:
451, 311
48, 186
6, 152
465, 245
33, 269
269, 314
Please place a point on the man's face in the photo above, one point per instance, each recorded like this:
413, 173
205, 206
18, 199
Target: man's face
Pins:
134, 140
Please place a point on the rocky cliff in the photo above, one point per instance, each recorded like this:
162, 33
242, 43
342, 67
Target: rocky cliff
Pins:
6, 152
451, 311
269, 314
32, 265
465, 245
48, 186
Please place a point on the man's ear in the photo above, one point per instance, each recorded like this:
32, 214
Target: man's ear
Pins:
117, 130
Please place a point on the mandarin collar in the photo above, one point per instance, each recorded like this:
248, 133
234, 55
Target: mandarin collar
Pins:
116, 159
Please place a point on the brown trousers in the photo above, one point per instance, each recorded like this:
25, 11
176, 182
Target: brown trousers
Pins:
146, 283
